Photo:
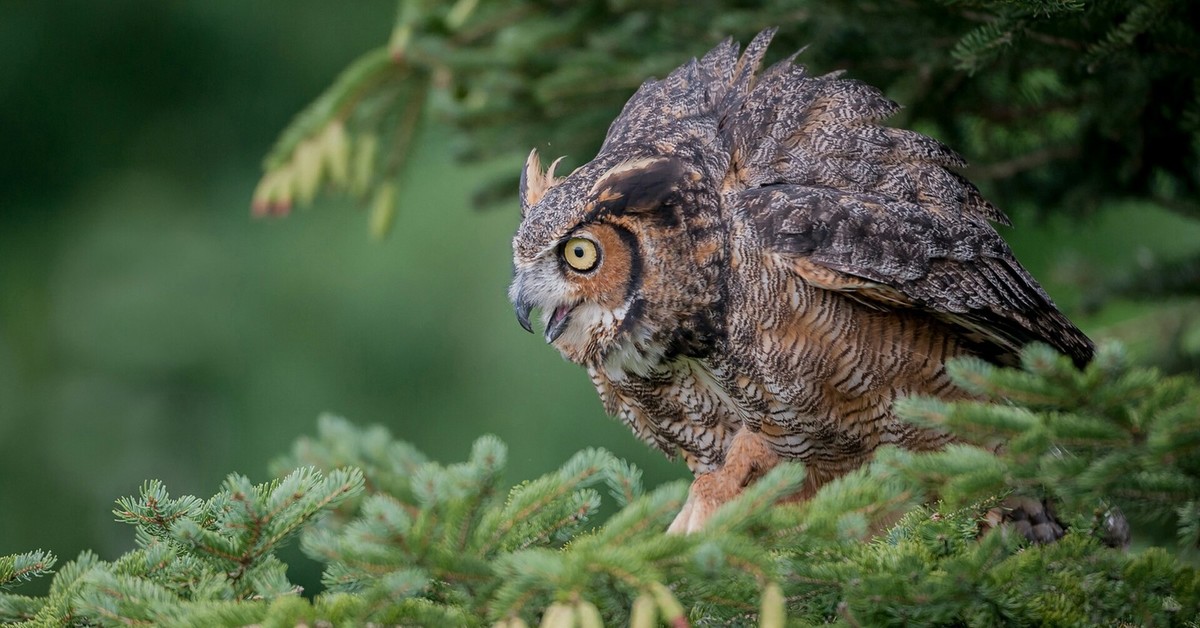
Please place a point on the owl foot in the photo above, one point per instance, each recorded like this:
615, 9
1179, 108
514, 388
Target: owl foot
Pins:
707, 494
1033, 519
748, 458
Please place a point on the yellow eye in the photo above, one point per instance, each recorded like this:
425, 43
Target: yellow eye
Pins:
581, 254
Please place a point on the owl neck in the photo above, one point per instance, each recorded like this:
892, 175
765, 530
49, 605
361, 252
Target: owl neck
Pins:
649, 348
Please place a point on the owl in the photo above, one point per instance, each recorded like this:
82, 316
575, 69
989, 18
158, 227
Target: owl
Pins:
754, 268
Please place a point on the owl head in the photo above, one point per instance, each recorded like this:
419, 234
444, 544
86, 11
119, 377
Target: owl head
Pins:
613, 258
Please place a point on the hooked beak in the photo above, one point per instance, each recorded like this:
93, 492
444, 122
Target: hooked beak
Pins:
558, 322
556, 325
522, 307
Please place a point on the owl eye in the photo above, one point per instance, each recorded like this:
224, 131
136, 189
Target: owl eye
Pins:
581, 254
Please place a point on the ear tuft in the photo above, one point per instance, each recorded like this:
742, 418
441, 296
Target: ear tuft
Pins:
535, 183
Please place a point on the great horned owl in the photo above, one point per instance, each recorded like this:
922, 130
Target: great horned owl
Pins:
753, 268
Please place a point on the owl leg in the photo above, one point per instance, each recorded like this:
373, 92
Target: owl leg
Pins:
748, 458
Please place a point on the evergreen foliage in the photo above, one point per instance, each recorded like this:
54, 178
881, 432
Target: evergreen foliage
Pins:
1109, 433
195, 560
903, 541
1057, 102
23, 567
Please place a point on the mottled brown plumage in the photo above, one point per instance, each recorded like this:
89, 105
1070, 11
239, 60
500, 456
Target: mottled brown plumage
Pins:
753, 268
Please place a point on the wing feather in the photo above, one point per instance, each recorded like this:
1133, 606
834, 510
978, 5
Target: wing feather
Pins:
897, 254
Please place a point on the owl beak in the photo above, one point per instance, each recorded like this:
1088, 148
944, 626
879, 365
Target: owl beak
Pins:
554, 328
558, 322
522, 308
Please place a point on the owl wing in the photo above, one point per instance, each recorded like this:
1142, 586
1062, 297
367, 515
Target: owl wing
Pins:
874, 212
898, 254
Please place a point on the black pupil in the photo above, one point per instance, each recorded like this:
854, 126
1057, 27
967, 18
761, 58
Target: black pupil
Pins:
578, 251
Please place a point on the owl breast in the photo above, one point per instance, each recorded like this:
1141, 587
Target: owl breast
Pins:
678, 408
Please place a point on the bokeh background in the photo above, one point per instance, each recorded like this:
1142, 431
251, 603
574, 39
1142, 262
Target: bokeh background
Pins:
150, 328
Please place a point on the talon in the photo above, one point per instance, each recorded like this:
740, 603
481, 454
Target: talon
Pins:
703, 500
680, 524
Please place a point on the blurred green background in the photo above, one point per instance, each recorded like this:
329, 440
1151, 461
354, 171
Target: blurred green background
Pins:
149, 328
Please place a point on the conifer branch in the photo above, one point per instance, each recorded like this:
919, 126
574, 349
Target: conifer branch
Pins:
901, 541
16, 568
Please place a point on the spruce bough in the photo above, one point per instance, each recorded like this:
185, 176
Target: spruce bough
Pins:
408, 541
